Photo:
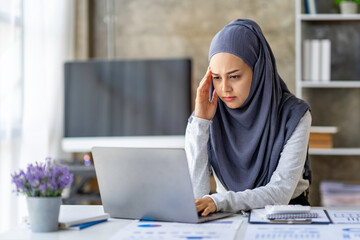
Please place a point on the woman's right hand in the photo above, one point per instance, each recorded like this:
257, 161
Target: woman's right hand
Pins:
203, 107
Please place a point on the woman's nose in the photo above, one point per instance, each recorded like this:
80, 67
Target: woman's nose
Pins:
226, 87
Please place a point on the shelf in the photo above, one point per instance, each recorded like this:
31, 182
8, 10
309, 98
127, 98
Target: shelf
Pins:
85, 144
331, 84
335, 151
329, 17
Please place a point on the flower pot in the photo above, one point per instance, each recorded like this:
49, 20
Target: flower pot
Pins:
347, 7
44, 213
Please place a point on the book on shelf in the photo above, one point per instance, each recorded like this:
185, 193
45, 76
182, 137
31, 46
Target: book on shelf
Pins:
321, 137
310, 6
325, 65
77, 217
317, 60
307, 60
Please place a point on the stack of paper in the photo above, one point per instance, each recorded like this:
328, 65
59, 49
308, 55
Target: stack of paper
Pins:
339, 194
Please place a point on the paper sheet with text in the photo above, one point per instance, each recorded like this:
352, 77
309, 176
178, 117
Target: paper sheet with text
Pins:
344, 216
219, 229
302, 232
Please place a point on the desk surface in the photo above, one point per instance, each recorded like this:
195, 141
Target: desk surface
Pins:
100, 231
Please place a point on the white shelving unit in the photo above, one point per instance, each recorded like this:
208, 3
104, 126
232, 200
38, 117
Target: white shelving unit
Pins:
331, 84
328, 17
300, 20
335, 151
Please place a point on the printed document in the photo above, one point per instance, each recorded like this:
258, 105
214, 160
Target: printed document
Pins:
154, 230
280, 231
344, 216
302, 232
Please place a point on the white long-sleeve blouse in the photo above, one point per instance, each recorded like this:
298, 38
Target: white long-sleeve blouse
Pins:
286, 183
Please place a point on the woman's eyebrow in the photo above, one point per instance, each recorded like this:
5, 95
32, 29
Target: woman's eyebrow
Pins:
232, 71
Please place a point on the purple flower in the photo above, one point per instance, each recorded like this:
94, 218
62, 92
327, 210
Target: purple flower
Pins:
42, 179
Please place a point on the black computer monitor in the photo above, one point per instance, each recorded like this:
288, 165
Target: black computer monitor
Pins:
127, 97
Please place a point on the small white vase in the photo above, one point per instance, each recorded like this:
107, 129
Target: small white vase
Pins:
44, 213
347, 7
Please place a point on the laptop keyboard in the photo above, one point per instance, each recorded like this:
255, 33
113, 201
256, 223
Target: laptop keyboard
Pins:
213, 216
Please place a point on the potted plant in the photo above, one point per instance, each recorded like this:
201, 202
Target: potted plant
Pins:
43, 184
348, 6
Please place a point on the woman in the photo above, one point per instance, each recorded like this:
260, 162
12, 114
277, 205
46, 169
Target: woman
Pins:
252, 133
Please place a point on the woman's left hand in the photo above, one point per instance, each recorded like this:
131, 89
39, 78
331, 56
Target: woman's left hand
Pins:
205, 205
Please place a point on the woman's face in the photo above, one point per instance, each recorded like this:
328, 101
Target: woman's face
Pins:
232, 78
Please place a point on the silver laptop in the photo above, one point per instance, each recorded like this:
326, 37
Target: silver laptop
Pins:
147, 183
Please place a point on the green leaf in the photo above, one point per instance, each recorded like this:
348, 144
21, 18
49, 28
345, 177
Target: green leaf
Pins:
339, 1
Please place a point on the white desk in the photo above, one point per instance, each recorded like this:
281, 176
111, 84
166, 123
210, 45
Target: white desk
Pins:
100, 231
107, 229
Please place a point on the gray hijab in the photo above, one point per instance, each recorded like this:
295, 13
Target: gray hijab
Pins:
245, 143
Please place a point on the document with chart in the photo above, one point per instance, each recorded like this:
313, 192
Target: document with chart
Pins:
344, 216
280, 231
302, 232
154, 230
346, 232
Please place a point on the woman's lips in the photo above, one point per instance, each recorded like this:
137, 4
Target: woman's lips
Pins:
229, 99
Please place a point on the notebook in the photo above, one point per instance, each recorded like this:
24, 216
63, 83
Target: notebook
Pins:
79, 215
318, 216
146, 183
283, 212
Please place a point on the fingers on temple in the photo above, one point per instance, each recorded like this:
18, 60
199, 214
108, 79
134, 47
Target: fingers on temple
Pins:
207, 78
214, 97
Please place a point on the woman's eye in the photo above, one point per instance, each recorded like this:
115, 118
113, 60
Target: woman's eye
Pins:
235, 76
216, 78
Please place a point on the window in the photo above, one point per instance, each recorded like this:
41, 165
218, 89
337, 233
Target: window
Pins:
11, 67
